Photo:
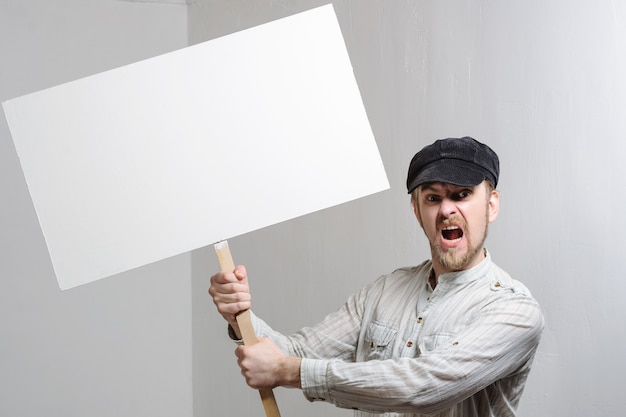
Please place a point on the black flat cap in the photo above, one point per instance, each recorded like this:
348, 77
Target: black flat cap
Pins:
459, 161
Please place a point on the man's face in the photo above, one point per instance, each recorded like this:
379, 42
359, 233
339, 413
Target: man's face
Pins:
455, 221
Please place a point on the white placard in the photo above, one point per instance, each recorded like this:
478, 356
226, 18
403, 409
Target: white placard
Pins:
176, 152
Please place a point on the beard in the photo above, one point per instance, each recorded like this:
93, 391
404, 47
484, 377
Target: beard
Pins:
450, 259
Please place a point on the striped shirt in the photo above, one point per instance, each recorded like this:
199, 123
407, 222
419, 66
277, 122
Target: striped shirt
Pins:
401, 348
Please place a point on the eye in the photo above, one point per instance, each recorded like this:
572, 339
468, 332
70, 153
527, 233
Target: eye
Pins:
432, 198
462, 195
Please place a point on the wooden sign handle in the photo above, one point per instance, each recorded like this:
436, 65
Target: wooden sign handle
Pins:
245, 327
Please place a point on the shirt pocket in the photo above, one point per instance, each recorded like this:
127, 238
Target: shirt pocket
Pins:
378, 340
437, 340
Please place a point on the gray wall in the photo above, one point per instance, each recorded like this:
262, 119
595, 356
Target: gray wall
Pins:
543, 83
118, 347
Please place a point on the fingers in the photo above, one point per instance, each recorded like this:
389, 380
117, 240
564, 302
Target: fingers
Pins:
258, 363
230, 292
238, 275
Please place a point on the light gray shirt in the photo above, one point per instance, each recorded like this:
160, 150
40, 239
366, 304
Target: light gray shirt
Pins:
401, 348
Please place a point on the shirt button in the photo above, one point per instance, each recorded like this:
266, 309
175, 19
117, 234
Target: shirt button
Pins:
409, 344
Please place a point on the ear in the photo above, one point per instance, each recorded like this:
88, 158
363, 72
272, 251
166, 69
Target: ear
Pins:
494, 205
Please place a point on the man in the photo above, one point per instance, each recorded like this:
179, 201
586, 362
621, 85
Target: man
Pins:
453, 336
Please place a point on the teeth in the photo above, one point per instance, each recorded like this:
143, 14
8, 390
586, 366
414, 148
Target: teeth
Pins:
451, 233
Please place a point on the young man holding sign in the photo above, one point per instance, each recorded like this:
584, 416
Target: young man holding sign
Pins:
453, 336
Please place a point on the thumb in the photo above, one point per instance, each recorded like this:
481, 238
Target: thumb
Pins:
240, 273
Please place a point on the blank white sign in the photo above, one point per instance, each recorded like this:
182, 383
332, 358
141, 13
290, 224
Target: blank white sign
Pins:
176, 152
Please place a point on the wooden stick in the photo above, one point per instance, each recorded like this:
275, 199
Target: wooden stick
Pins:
245, 327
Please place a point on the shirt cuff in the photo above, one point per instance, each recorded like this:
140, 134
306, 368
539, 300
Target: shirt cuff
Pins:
313, 379
233, 335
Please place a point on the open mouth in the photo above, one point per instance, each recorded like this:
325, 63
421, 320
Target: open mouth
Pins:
452, 233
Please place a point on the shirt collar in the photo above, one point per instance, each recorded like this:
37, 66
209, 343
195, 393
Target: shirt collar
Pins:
467, 275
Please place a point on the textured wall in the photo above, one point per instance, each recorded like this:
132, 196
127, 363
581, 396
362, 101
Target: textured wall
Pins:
543, 83
120, 346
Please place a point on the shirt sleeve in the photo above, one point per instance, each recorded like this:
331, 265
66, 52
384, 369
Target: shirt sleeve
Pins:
500, 343
336, 337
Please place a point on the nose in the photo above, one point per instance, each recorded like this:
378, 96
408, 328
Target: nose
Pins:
447, 207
